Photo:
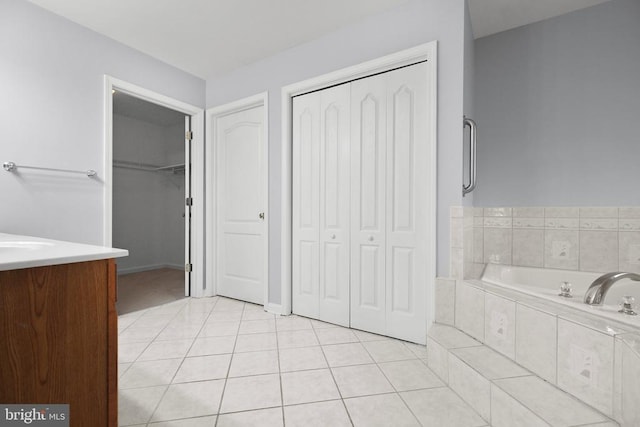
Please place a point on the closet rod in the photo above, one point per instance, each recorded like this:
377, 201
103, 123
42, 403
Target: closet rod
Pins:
12, 167
147, 167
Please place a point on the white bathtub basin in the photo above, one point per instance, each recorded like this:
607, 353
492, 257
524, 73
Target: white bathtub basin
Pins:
545, 283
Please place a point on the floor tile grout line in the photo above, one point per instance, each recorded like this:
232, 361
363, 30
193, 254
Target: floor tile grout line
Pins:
158, 334
146, 347
226, 379
280, 377
175, 373
334, 378
279, 369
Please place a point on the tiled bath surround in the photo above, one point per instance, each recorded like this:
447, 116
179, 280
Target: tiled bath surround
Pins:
596, 239
595, 360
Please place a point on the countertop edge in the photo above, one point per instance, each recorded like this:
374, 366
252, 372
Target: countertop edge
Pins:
18, 265
19, 252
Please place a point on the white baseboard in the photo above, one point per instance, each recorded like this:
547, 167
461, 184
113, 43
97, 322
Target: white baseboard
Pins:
274, 308
141, 268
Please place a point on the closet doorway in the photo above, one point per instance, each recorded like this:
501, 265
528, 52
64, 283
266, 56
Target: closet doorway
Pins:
151, 177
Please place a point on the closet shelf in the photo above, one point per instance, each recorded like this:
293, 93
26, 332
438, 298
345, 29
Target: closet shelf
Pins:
146, 167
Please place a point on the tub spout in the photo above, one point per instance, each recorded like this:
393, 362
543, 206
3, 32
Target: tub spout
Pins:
598, 289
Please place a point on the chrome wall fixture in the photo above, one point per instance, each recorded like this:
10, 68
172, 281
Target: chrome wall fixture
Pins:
473, 134
12, 167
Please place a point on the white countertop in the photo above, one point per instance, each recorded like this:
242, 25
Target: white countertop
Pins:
25, 251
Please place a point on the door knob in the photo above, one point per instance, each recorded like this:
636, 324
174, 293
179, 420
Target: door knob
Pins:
371, 238
333, 236
261, 215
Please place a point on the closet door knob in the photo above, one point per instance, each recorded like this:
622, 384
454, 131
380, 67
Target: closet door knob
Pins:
371, 238
333, 236
261, 215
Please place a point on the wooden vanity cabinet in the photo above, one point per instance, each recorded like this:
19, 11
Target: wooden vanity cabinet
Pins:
59, 338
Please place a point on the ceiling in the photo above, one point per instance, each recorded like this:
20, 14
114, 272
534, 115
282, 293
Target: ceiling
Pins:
136, 108
493, 16
211, 37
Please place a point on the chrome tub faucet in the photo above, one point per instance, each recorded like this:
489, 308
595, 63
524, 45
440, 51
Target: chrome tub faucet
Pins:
598, 289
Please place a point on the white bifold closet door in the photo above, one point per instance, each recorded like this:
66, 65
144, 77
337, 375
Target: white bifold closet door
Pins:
360, 203
321, 133
389, 203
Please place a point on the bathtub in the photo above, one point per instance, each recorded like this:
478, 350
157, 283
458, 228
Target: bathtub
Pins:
545, 284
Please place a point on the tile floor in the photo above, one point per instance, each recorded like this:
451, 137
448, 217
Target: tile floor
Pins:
221, 362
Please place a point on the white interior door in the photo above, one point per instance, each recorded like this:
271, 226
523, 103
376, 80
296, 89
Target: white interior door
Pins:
321, 149
390, 179
407, 201
241, 205
361, 212
368, 172
335, 147
306, 210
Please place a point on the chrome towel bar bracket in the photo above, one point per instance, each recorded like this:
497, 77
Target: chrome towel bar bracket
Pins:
12, 167
473, 134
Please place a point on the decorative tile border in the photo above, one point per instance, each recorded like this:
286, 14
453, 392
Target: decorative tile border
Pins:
598, 239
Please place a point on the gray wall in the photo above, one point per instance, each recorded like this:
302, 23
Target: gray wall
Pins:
557, 104
148, 206
413, 23
468, 100
51, 114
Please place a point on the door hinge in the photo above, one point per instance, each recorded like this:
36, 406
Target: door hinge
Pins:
189, 201
188, 135
188, 268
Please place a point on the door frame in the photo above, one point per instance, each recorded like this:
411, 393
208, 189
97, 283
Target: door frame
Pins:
198, 285
424, 52
213, 113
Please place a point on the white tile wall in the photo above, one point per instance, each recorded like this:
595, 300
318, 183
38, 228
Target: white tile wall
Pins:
585, 364
572, 351
561, 249
440, 340
562, 346
536, 341
528, 247
599, 239
508, 412
469, 311
630, 387
599, 251
471, 386
500, 324
490, 364
445, 300
438, 359
626, 375
630, 251
497, 245
545, 401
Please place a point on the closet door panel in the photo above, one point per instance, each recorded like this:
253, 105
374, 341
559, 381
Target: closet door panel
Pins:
368, 151
407, 202
306, 197
334, 204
